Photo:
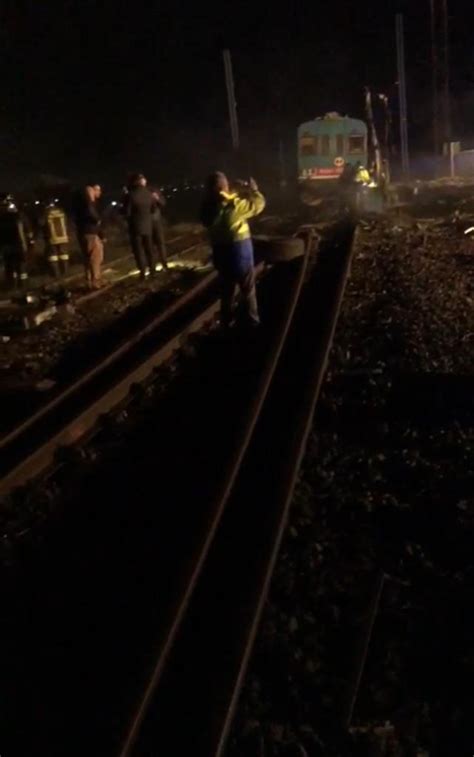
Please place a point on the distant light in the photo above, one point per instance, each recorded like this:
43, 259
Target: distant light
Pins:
175, 189
11, 206
37, 202
56, 199
114, 203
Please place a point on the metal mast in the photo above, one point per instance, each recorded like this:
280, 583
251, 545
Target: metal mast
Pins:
440, 73
402, 94
229, 80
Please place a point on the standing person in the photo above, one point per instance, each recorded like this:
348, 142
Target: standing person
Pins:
89, 232
16, 238
225, 216
52, 224
347, 189
158, 237
139, 205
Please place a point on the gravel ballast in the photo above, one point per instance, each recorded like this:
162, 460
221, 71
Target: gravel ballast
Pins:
382, 522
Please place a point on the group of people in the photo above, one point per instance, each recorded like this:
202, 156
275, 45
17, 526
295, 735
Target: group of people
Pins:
224, 213
141, 207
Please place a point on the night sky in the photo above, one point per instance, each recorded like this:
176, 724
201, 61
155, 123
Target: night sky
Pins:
98, 89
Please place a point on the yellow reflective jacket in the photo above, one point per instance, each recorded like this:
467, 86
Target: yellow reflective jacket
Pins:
362, 176
230, 221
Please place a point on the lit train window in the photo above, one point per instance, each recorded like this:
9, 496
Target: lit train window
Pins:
356, 144
340, 144
325, 144
308, 145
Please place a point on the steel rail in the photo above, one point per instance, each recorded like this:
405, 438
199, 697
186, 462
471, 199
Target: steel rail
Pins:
86, 297
201, 684
72, 430
114, 261
218, 509
317, 365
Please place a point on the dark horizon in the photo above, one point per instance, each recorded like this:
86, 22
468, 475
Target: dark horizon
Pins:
102, 91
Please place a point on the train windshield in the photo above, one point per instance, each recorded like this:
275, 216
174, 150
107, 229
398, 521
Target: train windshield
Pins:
356, 144
308, 145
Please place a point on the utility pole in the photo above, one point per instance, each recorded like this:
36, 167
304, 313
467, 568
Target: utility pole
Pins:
402, 94
446, 82
440, 73
229, 80
373, 133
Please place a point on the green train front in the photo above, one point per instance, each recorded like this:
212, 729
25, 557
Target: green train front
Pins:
326, 145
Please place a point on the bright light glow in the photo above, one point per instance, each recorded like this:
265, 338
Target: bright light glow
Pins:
469, 230
37, 202
195, 265
56, 199
114, 203
11, 206
175, 189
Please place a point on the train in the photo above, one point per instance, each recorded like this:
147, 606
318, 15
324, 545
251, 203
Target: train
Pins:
327, 144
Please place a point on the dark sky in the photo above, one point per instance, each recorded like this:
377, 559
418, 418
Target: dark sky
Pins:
99, 88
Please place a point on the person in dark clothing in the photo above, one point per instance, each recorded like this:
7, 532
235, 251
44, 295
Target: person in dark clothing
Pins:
347, 189
139, 205
16, 237
158, 237
89, 232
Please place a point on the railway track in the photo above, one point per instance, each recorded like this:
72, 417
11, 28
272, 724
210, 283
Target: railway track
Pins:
24, 397
155, 580
200, 684
119, 269
31, 447
187, 243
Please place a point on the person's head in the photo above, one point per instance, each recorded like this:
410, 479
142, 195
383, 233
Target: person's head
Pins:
6, 199
138, 180
217, 182
93, 191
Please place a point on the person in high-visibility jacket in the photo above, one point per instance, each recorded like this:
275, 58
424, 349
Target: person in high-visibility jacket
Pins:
16, 238
225, 215
362, 176
54, 229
